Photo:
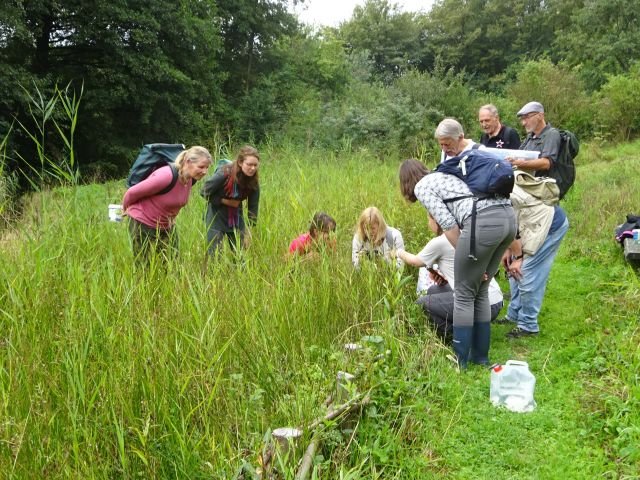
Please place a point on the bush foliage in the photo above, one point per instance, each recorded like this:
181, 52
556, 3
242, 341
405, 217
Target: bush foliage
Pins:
380, 81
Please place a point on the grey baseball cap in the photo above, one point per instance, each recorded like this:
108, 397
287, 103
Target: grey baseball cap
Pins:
531, 107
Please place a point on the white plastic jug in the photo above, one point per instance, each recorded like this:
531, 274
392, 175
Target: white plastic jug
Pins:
115, 212
512, 386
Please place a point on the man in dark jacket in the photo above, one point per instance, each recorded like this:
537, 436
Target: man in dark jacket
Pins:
496, 135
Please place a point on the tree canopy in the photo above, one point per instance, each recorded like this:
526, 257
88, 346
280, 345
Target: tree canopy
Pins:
194, 70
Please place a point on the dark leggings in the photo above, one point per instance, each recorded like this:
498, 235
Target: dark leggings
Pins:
148, 241
215, 239
438, 305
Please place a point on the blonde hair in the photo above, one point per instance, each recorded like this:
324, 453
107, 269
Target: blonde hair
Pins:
191, 155
369, 216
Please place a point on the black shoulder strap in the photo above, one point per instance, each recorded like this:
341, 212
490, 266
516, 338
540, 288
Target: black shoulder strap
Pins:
174, 179
455, 199
474, 212
475, 146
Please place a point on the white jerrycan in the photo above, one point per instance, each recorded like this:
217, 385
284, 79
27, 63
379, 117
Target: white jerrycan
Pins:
512, 386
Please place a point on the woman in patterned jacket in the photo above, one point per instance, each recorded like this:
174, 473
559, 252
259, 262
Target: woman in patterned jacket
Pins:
495, 229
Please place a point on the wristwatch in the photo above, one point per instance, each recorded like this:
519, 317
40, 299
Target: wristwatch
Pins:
517, 257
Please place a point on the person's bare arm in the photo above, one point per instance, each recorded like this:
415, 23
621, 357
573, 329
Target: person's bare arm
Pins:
410, 258
453, 235
415, 261
543, 163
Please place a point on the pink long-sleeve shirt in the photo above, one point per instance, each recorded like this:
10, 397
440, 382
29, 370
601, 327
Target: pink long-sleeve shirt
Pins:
156, 211
301, 244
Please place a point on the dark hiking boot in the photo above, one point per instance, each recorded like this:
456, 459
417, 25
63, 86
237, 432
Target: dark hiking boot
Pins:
520, 333
503, 321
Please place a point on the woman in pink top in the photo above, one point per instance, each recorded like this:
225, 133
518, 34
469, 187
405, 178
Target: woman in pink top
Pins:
320, 232
152, 215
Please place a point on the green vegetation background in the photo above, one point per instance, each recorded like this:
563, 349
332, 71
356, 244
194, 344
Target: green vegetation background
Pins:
201, 71
107, 373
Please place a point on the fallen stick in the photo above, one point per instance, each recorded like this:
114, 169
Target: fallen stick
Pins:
309, 454
342, 409
307, 460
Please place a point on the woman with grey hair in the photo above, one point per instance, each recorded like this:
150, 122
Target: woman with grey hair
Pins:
450, 136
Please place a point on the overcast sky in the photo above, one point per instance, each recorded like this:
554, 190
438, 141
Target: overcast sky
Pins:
332, 12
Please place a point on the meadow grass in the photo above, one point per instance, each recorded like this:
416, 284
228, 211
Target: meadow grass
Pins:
181, 372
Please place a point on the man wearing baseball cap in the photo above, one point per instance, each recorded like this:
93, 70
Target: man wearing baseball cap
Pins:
541, 137
529, 272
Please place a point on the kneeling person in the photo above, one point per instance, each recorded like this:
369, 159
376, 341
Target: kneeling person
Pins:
374, 239
436, 285
321, 235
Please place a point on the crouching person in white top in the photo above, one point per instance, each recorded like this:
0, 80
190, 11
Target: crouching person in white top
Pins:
436, 282
374, 240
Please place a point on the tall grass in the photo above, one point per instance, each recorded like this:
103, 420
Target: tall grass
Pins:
7, 183
182, 372
109, 371
54, 116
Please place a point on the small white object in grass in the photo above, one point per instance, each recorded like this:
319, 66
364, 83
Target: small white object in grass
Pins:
343, 380
512, 386
353, 347
115, 212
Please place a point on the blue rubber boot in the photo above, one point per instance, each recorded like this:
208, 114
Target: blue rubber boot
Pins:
480, 343
462, 337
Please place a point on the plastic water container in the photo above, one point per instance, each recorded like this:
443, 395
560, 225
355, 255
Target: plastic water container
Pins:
512, 386
115, 212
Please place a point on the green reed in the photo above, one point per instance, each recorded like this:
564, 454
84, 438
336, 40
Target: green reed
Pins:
182, 371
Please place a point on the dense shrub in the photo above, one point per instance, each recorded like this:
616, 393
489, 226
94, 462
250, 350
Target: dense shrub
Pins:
619, 104
439, 94
565, 100
394, 120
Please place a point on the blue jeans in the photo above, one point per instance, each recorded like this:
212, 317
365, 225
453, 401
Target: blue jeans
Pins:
528, 292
